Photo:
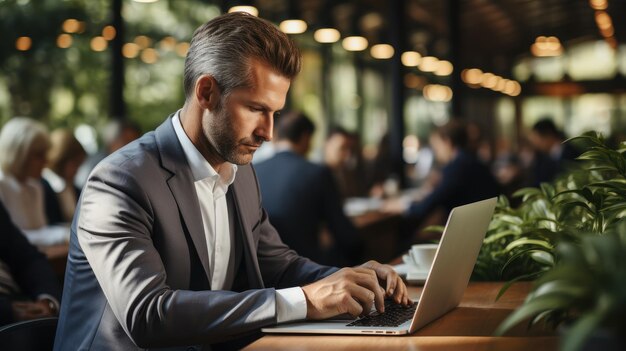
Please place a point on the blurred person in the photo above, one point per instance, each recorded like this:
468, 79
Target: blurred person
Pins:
343, 156
301, 198
23, 147
170, 245
508, 169
28, 286
115, 134
464, 178
64, 157
551, 155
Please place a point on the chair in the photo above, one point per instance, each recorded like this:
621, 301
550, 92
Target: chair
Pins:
33, 335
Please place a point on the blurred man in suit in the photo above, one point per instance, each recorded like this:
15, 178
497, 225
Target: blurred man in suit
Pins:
301, 198
464, 179
170, 246
552, 156
28, 286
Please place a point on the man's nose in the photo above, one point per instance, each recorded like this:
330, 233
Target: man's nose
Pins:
266, 127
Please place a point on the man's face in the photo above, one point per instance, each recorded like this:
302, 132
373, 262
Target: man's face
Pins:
539, 143
245, 118
442, 148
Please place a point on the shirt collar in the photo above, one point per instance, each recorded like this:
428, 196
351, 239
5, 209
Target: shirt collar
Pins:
200, 168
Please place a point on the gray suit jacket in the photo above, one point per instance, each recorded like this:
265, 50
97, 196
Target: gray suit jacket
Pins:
137, 273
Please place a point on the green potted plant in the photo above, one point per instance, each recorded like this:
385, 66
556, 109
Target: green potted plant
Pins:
575, 230
585, 290
589, 198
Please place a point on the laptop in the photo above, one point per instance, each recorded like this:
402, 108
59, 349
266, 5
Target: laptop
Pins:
448, 277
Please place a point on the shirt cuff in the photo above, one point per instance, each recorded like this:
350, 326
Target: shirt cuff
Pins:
290, 305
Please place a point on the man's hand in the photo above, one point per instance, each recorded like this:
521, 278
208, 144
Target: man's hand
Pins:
394, 286
27, 310
354, 291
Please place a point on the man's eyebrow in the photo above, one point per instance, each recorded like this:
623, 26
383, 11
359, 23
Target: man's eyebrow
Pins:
265, 106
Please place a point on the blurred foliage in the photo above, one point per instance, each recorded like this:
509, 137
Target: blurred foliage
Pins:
589, 198
586, 288
64, 87
571, 236
34, 76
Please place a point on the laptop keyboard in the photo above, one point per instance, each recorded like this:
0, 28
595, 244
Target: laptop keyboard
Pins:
395, 314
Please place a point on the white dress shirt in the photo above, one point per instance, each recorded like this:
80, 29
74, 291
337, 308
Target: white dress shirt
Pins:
211, 188
24, 201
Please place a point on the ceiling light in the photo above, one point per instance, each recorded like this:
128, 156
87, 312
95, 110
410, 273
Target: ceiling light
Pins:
603, 20
489, 80
411, 58
382, 51
436, 92
326, 35
472, 76
143, 41
247, 9
429, 64
293, 26
444, 68
149, 56
354, 43
64, 41
598, 4
109, 32
23, 43
546, 46
182, 48
98, 44
130, 50
70, 25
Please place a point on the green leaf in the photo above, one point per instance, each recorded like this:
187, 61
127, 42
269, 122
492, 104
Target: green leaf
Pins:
508, 284
526, 241
542, 257
530, 309
582, 329
495, 237
434, 229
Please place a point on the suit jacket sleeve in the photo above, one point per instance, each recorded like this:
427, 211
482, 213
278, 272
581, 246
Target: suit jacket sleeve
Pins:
114, 231
451, 181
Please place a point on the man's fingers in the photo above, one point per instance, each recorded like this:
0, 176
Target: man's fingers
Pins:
391, 286
365, 297
367, 278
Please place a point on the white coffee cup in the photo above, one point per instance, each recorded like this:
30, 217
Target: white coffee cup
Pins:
423, 254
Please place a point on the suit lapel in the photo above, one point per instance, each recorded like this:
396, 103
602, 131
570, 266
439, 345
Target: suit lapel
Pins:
182, 186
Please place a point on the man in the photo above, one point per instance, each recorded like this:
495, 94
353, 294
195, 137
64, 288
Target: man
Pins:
301, 198
170, 246
342, 155
28, 286
464, 179
551, 154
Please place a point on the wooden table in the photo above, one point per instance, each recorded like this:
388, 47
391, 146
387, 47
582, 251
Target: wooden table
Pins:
468, 327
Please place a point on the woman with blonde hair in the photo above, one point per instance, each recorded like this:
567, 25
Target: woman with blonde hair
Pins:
65, 156
23, 147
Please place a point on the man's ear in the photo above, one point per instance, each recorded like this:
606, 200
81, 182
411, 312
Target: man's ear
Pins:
207, 92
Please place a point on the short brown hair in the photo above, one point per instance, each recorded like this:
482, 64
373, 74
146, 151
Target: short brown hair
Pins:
224, 46
63, 148
455, 131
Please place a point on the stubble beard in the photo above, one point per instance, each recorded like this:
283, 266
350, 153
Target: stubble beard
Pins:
220, 133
